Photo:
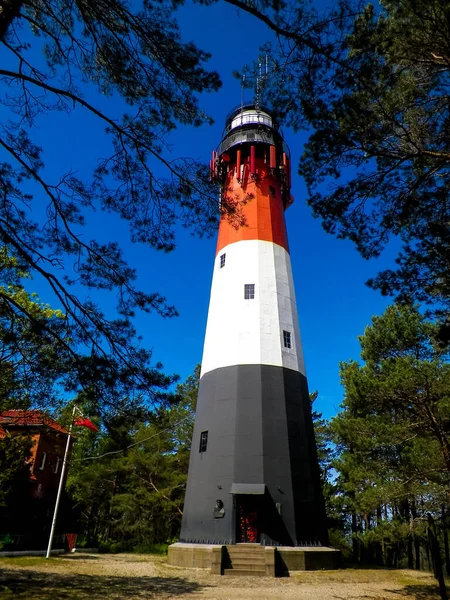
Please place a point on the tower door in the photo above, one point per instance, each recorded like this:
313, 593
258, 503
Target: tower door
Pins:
247, 521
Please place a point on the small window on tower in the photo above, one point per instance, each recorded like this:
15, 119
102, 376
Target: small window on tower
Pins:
271, 190
222, 260
203, 441
287, 339
249, 291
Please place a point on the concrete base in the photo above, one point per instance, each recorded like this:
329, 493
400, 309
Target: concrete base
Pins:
314, 558
286, 558
196, 556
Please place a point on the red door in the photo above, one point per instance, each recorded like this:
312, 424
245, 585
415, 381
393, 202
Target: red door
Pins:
247, 524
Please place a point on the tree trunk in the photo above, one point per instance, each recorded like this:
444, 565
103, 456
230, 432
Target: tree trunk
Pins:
410, 552
9, 10
389, 557
429, 562
417, 552
367, 557
378, 545
446, 548
107, 532
396, 555
416, 538
440, 434
355, 542
408, 518
436, 557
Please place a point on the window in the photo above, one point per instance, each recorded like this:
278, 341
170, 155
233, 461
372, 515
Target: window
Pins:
56, 467
222, 260
272, 190
249, 291
203, 441
43, 459
287, 339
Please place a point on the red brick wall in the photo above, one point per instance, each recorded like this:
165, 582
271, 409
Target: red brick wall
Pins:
45, 481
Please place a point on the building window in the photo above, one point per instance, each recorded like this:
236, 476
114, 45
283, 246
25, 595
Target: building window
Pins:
222, 260
272, 190
43, 459
287, 339
203, 441
56, 467
249, 291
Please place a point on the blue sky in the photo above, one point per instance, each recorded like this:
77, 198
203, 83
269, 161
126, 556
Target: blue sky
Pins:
333, 302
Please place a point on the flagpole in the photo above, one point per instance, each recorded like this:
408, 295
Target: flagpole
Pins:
60, 486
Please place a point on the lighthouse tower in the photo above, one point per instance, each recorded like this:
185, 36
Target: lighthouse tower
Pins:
253, 472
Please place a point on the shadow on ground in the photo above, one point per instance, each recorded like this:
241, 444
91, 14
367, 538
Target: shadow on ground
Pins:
418, 591
78, 557
28, 584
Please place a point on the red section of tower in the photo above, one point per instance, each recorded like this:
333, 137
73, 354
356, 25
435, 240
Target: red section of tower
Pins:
252, 166
263, 211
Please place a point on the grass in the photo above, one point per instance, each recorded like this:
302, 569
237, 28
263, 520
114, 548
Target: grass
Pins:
141, 577
63, 579
361, 575
27, 561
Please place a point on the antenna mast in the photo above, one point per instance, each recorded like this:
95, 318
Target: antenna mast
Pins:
242, 95
261, 79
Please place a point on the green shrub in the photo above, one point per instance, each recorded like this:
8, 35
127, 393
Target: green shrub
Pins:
146, 548
339, 541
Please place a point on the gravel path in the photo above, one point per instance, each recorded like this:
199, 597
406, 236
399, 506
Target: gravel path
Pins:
138, 577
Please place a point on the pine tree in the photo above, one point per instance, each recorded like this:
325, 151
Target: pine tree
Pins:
127, 485
392, 435
369, 83
31, 362
68, 56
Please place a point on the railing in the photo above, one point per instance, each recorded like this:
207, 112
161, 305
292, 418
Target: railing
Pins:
253, 136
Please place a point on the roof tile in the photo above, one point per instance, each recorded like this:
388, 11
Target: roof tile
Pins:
28, 418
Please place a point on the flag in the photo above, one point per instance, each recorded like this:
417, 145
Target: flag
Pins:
83, 422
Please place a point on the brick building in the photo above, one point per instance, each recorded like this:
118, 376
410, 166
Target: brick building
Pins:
45, 462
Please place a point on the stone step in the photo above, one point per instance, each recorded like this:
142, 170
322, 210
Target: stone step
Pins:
258, 550
247, 554
245, 560
248, 567
246, 550
245, 572
250, 559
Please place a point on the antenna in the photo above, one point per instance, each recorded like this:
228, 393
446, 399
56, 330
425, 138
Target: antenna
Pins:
258, 87
261, 79
242, 95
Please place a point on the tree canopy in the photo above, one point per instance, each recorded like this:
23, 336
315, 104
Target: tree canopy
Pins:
392, 436
66, 56
369, 82
126, 486
34, 343
41, 359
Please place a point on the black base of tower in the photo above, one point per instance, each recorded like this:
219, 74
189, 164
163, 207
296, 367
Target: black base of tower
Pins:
260, 461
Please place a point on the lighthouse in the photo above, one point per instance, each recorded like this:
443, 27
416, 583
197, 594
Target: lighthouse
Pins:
253, 474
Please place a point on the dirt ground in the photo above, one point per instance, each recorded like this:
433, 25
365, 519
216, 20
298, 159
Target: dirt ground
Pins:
138, 577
